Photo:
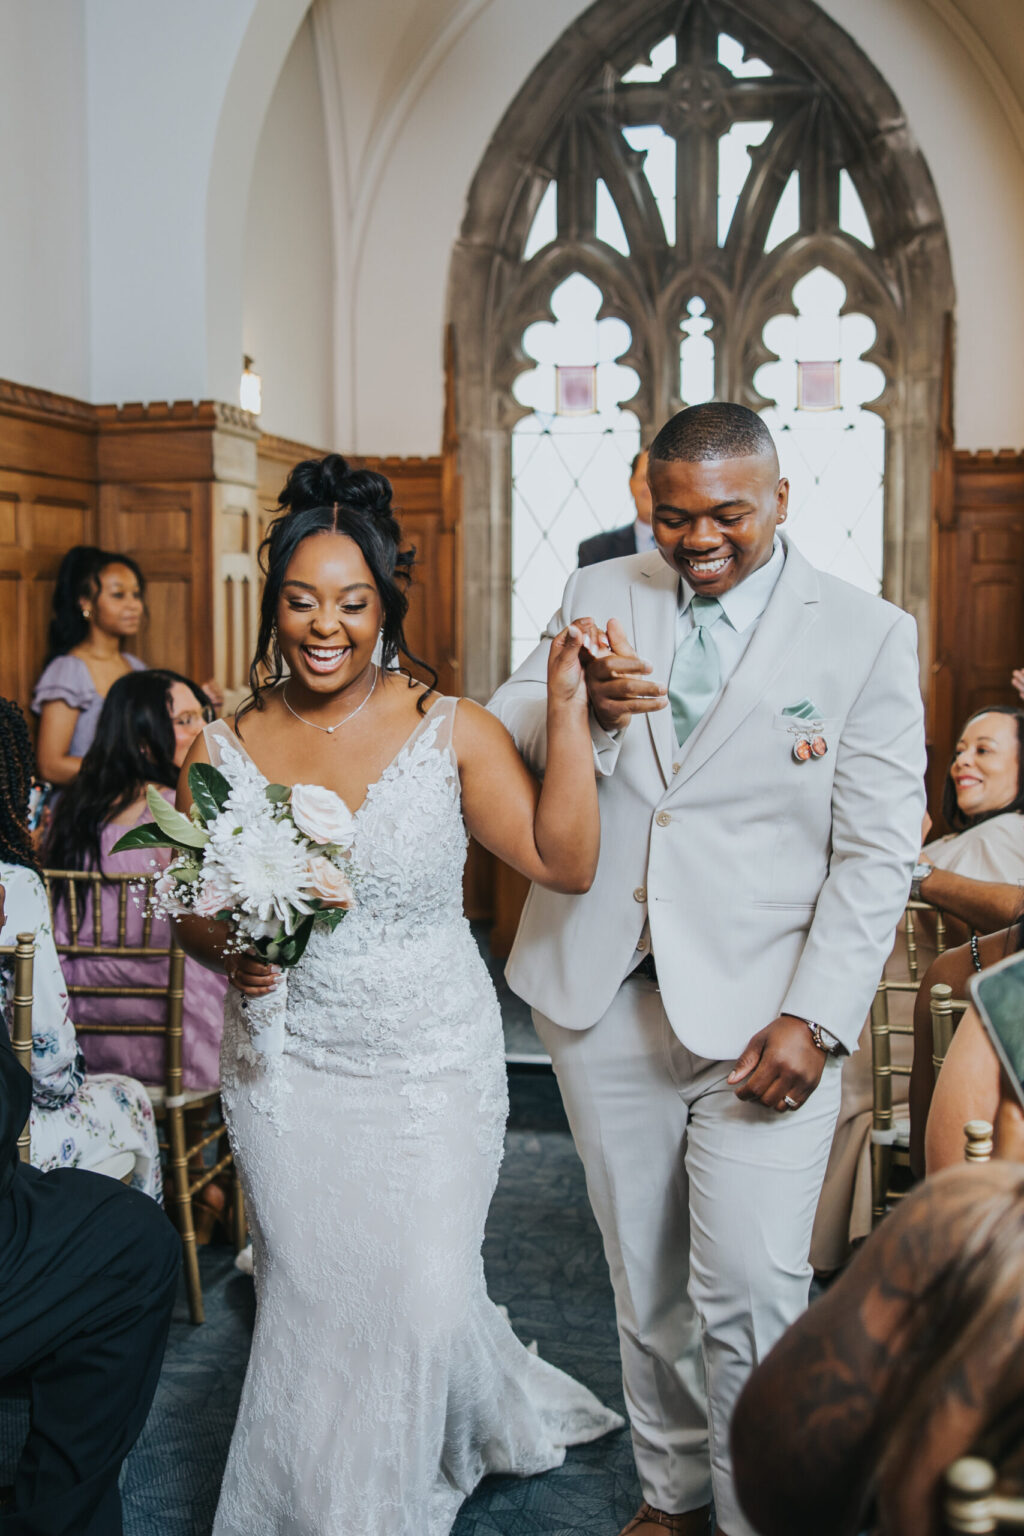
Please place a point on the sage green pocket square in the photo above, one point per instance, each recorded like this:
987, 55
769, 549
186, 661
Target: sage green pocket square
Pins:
805, 710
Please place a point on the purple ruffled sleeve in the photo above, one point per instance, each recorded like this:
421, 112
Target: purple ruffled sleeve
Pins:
67, 679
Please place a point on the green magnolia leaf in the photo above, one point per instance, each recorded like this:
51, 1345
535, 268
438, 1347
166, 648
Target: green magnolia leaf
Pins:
210, 790
187, 876
178, 828
277, 793
147, 836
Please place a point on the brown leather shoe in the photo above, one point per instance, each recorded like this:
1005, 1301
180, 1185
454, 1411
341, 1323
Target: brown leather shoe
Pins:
649, 1521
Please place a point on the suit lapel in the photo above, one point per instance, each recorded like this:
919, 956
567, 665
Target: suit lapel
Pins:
791, 611
654, 600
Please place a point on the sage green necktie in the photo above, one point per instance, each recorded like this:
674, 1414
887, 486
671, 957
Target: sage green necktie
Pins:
696, 669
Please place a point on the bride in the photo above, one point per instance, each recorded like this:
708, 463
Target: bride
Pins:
383, 1383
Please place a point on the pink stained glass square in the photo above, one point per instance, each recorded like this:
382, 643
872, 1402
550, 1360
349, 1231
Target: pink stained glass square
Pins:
817, 386
575, 390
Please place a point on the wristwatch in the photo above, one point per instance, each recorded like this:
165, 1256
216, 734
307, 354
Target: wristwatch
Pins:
921, 873
825, 1040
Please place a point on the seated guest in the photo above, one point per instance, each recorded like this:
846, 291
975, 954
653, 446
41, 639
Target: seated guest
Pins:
88, 1274
974, 875
954, 968
914, 1357
148, 723
98, 605
77, 1121
968, 1086
636, 537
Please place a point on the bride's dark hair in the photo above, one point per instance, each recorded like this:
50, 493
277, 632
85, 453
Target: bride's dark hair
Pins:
326, 496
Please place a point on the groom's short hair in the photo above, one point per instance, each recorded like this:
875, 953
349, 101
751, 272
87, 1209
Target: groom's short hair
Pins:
719, 429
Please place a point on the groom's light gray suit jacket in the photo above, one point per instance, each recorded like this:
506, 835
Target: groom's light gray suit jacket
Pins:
772, 886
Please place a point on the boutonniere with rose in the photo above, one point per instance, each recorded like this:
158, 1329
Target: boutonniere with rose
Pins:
270, 861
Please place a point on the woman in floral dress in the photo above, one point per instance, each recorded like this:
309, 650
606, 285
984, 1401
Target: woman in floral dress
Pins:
77, 1121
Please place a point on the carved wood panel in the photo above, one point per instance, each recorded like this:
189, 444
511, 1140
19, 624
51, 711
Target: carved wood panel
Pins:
979, 599
47, 503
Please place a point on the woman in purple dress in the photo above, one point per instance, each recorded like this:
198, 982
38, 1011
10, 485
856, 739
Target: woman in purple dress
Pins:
98, 606
145, 729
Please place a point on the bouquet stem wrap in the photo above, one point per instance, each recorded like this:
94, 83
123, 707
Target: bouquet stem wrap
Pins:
264, 1020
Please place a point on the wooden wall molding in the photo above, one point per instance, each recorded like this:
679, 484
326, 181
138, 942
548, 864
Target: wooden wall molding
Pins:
978, 585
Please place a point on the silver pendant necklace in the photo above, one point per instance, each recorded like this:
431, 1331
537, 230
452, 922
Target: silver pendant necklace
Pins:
329, 730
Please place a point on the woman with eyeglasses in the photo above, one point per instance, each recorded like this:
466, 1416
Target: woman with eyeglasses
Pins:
148, 723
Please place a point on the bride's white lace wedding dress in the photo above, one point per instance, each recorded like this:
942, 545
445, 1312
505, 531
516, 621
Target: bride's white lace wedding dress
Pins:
383, 1383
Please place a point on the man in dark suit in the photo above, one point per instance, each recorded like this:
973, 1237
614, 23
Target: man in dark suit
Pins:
88, 1274
636, 537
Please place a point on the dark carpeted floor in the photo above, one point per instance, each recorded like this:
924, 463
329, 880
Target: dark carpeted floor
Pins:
544, 1262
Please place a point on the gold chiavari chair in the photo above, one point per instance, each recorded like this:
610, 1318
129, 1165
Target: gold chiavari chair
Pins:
23, 953
184, 1148
909, 926
946, 1011
889, 1136
978, 1141
972, 1504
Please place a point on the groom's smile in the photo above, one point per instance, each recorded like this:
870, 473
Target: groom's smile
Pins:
715, 519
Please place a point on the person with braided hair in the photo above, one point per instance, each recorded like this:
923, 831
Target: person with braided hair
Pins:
77, 1121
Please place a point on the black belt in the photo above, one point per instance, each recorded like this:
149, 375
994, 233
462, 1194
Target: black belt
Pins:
646, 969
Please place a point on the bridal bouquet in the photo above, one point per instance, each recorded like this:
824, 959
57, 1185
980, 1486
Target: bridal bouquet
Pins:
268, 860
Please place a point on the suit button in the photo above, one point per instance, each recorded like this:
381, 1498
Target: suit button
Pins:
642, 944
663, 818
640, 894
675, 767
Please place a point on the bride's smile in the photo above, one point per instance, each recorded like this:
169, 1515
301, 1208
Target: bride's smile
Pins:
328, 619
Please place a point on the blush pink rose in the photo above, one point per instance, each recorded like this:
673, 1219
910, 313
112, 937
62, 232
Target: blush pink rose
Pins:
321, 815
214, 896
328, 882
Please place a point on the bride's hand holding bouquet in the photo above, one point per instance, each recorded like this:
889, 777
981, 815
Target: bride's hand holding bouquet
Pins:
268, 861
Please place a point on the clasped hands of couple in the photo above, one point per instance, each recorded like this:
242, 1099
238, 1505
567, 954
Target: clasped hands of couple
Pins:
780, 1065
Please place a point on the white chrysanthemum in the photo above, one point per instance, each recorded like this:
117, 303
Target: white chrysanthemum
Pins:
264, 866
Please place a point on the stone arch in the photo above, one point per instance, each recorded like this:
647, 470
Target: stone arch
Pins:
905, 285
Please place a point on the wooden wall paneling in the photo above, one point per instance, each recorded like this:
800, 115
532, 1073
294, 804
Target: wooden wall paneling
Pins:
178, 493
47, 503
979, 599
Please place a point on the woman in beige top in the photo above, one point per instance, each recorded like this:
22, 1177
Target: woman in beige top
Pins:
977, 880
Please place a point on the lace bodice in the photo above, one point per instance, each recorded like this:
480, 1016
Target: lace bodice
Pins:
404, 949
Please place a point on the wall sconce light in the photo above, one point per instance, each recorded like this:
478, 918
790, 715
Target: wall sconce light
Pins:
250, 390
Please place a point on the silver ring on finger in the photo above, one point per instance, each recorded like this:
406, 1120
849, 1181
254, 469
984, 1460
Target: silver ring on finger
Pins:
790, 1102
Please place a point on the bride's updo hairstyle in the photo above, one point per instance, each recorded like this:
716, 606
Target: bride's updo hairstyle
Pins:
326, 496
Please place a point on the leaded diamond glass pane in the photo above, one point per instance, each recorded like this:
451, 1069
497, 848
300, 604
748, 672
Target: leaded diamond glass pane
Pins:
786, 218
607, 223
663, 58
730, 56
660, 169
545, 223
852, 217
834, 460
734, 168
569, 474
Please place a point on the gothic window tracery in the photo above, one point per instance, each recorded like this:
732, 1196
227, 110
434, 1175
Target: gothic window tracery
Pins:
699, 179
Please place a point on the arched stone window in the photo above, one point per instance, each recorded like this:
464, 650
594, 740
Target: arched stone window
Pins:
720, 199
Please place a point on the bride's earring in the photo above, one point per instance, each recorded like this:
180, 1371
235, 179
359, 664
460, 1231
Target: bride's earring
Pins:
86, 613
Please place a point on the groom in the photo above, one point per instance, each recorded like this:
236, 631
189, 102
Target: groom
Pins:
758, 737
